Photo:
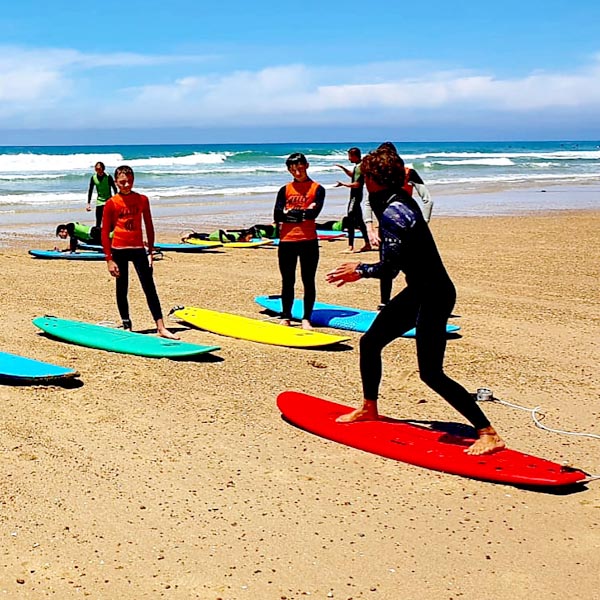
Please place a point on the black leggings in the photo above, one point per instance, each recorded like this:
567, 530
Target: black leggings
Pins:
288, 255
139, 258
99, 213
402, 313
355, 221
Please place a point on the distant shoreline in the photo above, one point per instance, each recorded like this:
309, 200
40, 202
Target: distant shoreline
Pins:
190, 213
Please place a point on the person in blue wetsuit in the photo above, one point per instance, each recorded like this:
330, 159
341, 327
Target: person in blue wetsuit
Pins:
425, 303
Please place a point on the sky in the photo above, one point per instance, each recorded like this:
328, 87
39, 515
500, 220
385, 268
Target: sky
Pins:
184, 71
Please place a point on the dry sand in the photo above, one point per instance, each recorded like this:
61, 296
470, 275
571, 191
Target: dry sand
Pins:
158, 478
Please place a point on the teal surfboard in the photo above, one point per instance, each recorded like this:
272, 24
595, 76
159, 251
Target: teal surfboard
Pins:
18, 369
117, 340
332, 315
57, 255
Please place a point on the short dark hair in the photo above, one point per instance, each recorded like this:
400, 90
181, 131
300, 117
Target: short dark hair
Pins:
385, 167
101, 164
297, 158
59, 227
125, 170
354, 150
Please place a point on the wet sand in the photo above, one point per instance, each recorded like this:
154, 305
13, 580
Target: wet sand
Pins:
179, 479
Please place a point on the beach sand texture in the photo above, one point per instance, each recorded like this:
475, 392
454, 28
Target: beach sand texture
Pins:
179, 479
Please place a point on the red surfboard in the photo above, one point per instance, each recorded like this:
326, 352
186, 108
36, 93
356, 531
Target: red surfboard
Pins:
423, 446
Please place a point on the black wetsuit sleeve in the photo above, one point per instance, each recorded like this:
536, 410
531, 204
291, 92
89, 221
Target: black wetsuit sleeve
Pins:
414, 177
312, 213
91, 189
72, 238
389, 265
278, 215
111, 183
395, 225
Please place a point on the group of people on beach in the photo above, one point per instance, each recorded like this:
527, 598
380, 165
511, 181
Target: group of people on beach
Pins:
405, 244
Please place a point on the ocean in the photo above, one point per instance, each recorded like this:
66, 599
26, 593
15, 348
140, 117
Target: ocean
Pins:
236, 183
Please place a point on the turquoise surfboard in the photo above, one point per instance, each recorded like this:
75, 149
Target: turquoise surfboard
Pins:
57, 255
19, 369
332, 315
117, 340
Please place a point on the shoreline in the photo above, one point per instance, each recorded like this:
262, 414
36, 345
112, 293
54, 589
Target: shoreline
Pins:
218, 212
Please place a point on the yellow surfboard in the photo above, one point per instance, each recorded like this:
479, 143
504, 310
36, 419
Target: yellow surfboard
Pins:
253, 244
207, 243
245, 328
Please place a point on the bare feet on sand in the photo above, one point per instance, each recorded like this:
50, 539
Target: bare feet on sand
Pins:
488, 441
365, 248
285, 322
367, 412
165, 333
306, 325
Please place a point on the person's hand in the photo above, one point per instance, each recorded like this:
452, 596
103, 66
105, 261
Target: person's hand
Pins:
151, 258
373, 234
88, 207
338, 184
113, 269
345, 273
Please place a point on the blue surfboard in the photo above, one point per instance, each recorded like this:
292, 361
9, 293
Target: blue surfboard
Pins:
332, 315
19, 369
57, 255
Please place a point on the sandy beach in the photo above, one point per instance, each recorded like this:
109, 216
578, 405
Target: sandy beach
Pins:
179, 479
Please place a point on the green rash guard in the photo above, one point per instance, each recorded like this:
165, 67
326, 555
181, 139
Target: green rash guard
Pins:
104, 188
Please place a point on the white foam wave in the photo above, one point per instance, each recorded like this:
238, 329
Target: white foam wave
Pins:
45, 163
198, 158
560, 155
483, 162
514, 178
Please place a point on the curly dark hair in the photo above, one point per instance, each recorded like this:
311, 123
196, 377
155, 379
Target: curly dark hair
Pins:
384, 167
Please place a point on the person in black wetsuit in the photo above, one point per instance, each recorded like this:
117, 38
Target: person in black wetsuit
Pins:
412, 181
425, 303
354, 219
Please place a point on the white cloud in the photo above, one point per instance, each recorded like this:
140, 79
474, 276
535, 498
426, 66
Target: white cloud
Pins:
51, 83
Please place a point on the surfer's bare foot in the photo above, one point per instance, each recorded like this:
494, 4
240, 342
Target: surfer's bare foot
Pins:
367, 412
164, 332
365, 248
306, 325
487, 442
285, 322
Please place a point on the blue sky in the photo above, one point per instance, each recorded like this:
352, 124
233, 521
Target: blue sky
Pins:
186, 71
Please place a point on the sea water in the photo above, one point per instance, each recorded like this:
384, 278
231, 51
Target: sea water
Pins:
237, 183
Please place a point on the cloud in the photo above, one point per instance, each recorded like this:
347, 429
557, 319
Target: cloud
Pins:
53, 83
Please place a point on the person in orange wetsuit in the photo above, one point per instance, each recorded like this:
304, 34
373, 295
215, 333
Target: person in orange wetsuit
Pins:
297, 206
123, 216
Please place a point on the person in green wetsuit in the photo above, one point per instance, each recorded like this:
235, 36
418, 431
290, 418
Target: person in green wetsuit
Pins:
77, 232
105, 185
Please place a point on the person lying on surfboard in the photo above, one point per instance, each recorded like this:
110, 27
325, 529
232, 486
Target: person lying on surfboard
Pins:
77, 232
425, 303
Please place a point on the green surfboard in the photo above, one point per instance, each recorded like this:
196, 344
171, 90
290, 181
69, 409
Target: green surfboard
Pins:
117, 340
